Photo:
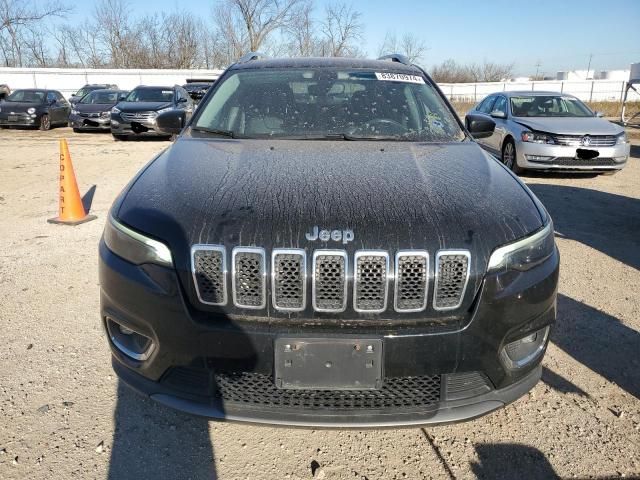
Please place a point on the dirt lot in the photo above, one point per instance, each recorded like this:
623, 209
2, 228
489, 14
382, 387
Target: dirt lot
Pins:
63, 414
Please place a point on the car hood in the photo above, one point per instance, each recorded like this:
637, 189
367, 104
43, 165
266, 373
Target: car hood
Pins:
571, 126
392, 195
93, 107
142, 106
19, 107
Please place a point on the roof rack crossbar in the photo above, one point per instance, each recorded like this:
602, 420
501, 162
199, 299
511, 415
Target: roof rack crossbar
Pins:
396, 57
247, 57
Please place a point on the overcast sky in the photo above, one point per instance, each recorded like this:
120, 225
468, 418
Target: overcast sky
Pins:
560, 34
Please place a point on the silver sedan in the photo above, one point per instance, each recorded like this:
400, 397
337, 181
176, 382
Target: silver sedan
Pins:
550, 131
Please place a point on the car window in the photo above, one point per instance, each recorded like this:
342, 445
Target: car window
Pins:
60, 98
26, 96
487, 104
99, 97
159, 94
500, 105
548, 106
282, 103
51, 97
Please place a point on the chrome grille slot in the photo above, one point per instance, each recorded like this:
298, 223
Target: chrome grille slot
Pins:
595, 140
248, 277
412, 280
209, 269
329, 280
452, 275
138, 117
289, 279
370, 281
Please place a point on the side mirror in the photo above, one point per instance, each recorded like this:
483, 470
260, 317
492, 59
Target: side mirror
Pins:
498, 114
182, 100
121, 98
599, 114
480, 126
52, 101
171, 122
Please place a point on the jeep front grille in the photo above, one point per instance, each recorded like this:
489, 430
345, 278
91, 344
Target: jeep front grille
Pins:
209, 269
248, 277
370, 281
330, 272
289, 279
451, 276
412, 281
330, 280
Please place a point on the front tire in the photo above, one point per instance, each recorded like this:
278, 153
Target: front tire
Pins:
45, 123
120, 138
509, 157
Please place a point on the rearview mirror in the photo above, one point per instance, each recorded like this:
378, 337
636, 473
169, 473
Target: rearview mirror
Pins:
480, 126
498, 114
171, 122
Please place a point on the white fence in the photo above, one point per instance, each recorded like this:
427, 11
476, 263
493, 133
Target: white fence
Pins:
70, 80
585, 90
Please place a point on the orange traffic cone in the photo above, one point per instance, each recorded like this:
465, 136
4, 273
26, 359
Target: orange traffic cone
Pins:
71, 211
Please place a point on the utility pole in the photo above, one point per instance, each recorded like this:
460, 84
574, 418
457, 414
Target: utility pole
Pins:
589, 67
537, 69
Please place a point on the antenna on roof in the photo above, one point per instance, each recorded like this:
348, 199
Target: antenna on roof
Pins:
252, 56
396, 57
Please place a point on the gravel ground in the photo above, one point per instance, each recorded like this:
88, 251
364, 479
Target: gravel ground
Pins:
63, 414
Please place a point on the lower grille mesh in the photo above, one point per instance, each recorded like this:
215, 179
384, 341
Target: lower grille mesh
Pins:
257, 389
208, 270
451, 279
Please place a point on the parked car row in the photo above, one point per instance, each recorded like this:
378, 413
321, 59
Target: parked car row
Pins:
96, 108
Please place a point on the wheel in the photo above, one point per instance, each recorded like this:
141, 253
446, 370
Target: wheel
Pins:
509, 157
120, 138
45, 123
76, 130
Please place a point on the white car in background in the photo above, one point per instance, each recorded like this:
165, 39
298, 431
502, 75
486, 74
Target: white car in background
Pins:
550, 131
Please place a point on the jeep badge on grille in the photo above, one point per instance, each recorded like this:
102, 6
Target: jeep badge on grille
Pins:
345, 236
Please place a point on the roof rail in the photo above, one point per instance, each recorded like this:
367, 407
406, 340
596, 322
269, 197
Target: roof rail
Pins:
247, 57
396, 57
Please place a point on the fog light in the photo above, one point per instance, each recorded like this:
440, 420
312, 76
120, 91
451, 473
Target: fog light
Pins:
619, 159
537, 158
133, 344
115, 123
520, 353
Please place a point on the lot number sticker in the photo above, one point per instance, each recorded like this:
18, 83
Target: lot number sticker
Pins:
399, 77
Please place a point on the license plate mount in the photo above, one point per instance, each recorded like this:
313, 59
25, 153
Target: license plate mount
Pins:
328, 363
586, 154
12, 118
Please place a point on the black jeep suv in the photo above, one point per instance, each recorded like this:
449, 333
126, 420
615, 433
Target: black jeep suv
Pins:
325, 244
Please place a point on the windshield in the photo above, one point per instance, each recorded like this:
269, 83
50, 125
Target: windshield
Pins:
82, 92
321, 103
548, 106
98, 97
150, 95
26, 96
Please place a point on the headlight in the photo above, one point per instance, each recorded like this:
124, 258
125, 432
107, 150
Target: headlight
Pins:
74, 112
526, 253
31, 110
115, 110
104, 114
533, 137
164, 110
135, 247
621, 138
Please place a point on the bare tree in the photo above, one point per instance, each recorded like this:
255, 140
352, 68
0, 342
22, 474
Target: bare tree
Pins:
409, 45
302, 33
451, 72
341, 29
18, 20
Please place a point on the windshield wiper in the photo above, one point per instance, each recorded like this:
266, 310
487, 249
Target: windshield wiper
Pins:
348, 137
215, 131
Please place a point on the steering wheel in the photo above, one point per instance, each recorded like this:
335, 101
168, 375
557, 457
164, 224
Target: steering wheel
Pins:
382, 125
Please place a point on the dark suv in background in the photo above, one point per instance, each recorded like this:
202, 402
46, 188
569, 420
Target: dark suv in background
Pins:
93, 111
34, 107
197, 89
73, 99
136, 114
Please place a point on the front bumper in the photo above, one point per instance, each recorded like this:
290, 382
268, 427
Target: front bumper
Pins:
142, 127
19, 120
564, 158
212, 365
94, 123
